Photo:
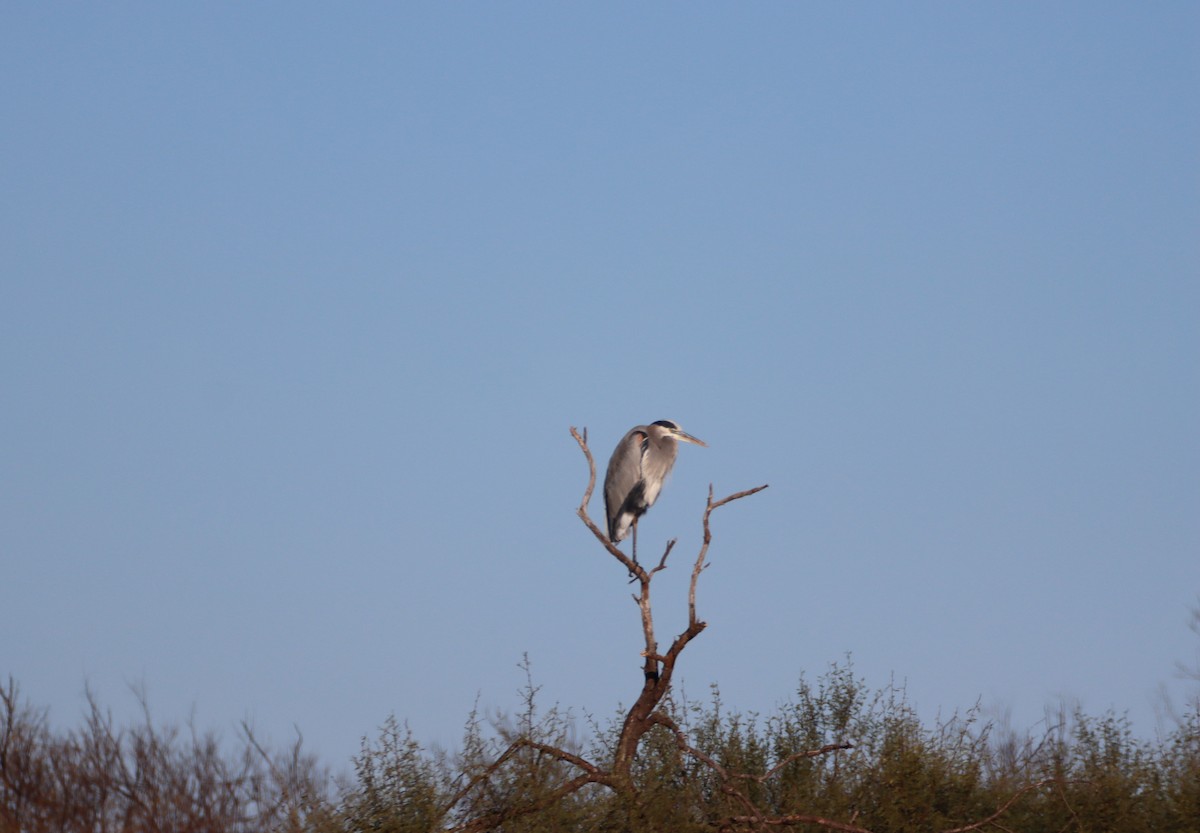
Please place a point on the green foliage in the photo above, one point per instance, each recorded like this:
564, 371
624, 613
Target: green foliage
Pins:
399, 786
838, 751
1179, 771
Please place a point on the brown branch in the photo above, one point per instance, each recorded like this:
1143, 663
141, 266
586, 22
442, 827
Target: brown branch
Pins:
700, 563
699, 566
662, 565
657, 668
650, 669
682, 744
633, 567
494, 820
563, 755
808, 753
1062, 793
756, 816
594, 773
1003, 808
734, 496
797, 818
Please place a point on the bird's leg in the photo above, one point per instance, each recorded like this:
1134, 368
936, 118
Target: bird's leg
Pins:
632, 574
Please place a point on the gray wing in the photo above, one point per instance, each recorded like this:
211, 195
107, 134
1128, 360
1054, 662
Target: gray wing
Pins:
623, 486
658, 458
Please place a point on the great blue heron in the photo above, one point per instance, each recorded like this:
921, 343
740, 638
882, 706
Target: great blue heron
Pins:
636, 472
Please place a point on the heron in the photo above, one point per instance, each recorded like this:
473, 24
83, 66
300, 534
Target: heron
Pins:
636, 472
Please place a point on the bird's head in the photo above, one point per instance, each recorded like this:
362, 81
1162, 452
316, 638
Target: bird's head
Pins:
665, 428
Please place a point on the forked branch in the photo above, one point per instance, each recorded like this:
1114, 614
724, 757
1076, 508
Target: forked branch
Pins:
657, 669
629, 564
591, 774
646, 713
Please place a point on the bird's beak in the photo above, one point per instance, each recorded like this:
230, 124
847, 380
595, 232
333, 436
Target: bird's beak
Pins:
688, 438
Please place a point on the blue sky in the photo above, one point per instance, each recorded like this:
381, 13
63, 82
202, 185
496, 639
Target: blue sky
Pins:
300, 300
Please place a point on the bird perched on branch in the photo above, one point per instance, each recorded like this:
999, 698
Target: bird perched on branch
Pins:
636, 472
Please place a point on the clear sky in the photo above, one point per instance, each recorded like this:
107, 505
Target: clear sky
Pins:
299, 302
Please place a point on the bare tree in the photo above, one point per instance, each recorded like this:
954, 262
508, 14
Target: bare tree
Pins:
578, 772
658, 670
146, 777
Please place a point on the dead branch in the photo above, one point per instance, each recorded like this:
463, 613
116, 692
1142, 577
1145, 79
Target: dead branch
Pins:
797, 818
492, 821
662, 565
700, 562
657, 668
681, 743
592, 773
629, 564
1003, 808
808, 753
755, 816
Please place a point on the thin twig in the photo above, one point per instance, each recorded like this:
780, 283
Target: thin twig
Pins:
1003, 808
797, 818
662, 565
495, 820
632, 566
700, 563
682, 744
594, 773
737, 496
808, 753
